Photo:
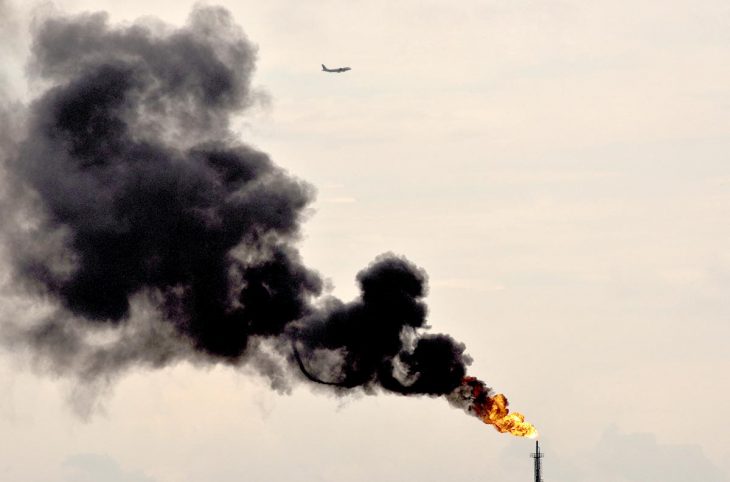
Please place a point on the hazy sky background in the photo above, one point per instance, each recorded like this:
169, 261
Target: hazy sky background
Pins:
560, 169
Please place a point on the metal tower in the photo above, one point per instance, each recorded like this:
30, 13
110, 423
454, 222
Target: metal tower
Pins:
538, 464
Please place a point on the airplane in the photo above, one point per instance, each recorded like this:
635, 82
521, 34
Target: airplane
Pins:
337, 70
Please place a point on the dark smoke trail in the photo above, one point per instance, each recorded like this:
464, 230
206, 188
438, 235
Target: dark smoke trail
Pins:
161, 237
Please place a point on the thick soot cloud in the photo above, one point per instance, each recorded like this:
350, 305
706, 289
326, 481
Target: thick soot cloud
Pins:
160, 236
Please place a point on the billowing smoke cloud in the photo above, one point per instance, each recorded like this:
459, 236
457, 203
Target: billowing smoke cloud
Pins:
161, 237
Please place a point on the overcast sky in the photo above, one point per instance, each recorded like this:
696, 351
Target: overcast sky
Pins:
561, 171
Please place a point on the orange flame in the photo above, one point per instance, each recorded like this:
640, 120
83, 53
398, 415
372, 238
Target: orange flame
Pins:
475, 397
498, 415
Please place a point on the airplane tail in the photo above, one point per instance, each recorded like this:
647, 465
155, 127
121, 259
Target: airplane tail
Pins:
323, 67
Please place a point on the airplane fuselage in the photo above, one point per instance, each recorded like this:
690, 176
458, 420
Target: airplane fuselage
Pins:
336, 70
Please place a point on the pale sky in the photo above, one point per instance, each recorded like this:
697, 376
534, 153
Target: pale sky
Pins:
561, 171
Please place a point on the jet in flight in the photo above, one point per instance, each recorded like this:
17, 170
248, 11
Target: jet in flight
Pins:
337, 70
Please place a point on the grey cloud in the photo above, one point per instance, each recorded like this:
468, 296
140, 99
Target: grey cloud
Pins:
91, 467
638, 457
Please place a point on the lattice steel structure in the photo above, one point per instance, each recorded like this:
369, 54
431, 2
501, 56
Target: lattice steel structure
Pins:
538, 462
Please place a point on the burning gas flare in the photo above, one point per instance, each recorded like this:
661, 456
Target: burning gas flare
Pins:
135, 205
474, 397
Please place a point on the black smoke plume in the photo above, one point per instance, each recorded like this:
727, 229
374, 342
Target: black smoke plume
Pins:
159, 236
